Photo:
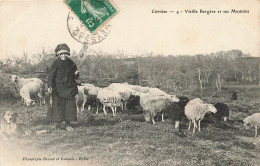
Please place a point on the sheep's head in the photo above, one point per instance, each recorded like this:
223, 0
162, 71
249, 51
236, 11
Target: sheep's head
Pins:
147, 116
246, 123
183, 101
29, 102
135, 93
211, 108
14, 78
174, 98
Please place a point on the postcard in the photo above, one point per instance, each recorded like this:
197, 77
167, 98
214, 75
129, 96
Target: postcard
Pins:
129, 82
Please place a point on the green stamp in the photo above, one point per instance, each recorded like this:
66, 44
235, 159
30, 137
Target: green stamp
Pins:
92, 13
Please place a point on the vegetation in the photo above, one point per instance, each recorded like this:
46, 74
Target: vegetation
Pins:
169, 73
127, 139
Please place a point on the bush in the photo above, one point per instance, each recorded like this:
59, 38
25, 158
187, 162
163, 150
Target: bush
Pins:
244, 106
7, 90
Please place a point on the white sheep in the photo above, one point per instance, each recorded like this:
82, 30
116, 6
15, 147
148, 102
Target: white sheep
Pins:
19, 82
253, 120
109, 98
195, 111
157, 92
124, 91
85, 92
137, 88
80, 98
155, 101
87, 85
152, 105
29, 90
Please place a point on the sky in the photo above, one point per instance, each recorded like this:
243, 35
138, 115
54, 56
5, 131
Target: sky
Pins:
31, 25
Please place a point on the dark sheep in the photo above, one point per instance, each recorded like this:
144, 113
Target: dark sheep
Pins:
133, 102
222, 111
92, 101
176, 111
183, 101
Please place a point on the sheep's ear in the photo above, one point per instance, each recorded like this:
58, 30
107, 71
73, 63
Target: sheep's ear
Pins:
4, 113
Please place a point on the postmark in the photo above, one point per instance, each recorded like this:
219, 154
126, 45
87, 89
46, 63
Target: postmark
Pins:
80, 33
93, 13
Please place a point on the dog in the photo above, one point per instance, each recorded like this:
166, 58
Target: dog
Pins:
10, 128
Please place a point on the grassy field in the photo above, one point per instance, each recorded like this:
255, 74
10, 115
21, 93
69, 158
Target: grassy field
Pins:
128, 140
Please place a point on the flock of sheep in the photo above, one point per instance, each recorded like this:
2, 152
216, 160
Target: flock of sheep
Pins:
153, 101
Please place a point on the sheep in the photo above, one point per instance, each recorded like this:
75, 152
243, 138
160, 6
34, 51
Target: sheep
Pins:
31, 89
155, 92
138, 88
158, 92
92, 97
153, 103
195, 111
20, 82
87, 95
253, 120
133, 103
222, 111
87, 85
109, 98
176, 111
124, 91
183, 101
81, 98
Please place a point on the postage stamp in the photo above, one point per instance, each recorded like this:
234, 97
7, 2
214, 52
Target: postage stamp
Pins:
93, 13
80, 33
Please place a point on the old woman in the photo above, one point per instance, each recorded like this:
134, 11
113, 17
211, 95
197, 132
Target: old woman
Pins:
62, 86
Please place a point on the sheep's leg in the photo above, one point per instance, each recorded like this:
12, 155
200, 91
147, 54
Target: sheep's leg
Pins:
97, 110
104, 109
125, 105
199, 125
153, 120
113, 111
43, 100
162, 117
255, 131
122, 106
189, 124
225, 119
83, 106
40, 99
77, 105
177, 125
194, 122
89, 107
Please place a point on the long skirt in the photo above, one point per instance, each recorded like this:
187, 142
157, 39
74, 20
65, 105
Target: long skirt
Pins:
63, 109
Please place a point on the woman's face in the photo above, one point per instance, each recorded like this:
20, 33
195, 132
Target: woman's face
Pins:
63, 56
